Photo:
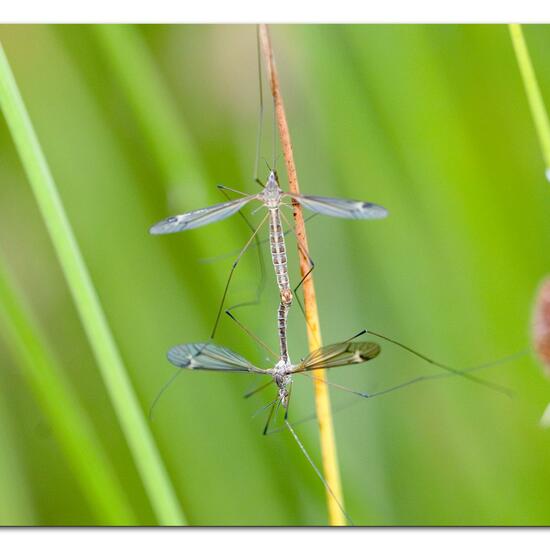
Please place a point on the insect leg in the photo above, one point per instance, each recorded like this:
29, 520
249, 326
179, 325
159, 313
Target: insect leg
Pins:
223, 188
261, 262
258, 389
452, 370
310, 270
251, 334
266, 427
317, 471
235, 263
259, 242
288, 402
161, 393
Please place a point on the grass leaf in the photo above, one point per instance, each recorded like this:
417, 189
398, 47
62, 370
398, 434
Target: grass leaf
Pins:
125, 402
62, 409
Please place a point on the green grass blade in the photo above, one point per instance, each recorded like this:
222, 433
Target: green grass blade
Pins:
534, 96
125, 402
68, 420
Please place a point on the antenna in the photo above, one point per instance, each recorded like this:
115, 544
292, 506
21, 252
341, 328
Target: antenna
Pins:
261, 110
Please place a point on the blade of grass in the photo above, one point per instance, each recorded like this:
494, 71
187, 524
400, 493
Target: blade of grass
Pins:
322, 397
69, 421
125, 402
532, 90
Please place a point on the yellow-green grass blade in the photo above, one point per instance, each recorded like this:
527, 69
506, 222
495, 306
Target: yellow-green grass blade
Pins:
125, 402
532, 90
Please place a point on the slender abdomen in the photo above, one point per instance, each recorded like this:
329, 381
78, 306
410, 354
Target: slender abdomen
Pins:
282, 316
278, 255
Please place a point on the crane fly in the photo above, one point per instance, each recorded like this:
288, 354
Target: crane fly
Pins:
208, 356
211, 357
272, 197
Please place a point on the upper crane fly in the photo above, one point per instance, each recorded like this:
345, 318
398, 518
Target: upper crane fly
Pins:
271, 197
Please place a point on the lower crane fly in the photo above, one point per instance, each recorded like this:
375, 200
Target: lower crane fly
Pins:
208, 356
211, 357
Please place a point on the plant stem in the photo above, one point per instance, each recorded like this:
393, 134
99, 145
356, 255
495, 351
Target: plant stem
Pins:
115, 377
322, 397
69, 422
532, 90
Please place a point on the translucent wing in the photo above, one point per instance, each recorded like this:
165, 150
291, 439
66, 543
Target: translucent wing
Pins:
338, 355
196, 218
208, 356
341, 208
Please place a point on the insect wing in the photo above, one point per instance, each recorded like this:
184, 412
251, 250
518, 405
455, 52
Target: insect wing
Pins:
197, 218
341, 208
339, 355
208, 356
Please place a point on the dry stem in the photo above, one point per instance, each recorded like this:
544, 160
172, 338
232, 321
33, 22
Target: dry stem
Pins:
322, 398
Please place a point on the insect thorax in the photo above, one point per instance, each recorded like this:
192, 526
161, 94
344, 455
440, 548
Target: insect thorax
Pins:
272, 192
282, 378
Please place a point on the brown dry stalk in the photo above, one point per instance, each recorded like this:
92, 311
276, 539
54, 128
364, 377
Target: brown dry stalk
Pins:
322, 398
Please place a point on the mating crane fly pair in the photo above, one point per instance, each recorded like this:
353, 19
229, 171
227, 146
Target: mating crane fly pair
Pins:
208, 356
211, 357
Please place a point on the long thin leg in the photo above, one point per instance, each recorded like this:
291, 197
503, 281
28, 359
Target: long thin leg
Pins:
264, 407
288, 403
261, 261
235, 263
161, 393
266, 427
302, 251
470, 377
258, 389
223, 188
277, 407
317, 471
311, 267
423, 378
252, 335
258, 243
397, 387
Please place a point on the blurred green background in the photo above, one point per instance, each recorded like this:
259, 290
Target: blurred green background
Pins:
138, 123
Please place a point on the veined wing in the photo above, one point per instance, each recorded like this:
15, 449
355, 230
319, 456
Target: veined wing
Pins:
196, 218
208, 356
341, 208
338, 355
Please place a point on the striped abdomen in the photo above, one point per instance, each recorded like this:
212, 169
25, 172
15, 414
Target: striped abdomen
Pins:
282, 315
278, 255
